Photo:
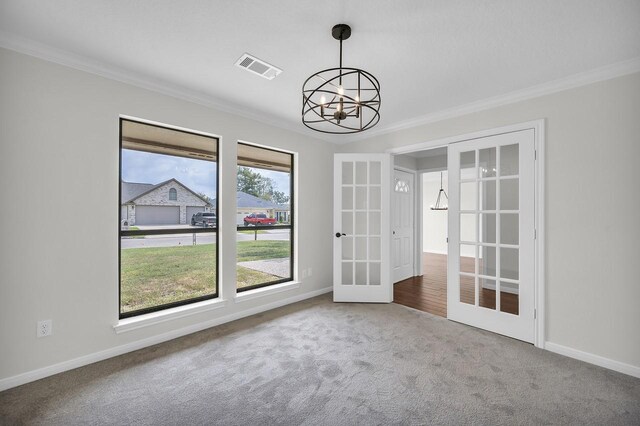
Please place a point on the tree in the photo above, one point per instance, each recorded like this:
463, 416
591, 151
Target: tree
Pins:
205, 197
254, 183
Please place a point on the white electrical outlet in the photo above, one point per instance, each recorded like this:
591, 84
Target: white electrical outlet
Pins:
310, 271
45, 328
304, 273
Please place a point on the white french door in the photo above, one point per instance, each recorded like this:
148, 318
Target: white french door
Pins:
402, 250
361, 242
491, 233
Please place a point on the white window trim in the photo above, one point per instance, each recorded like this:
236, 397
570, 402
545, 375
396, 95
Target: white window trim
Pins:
153, 318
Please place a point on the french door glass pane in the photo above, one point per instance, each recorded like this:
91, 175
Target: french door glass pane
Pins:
487, 297
467, 289
374, 172
374, 198
347, 248
361, 197
468, 192
487, 162
361, 273
468, 165
361, 223
468, 227
347, 198
509, 199
509, 160
347, 273
487, 261
374, 273
467, 258
510, 298
509, 267
347, 223
361, 173
347, 173
487, 228
488, 195
509, 228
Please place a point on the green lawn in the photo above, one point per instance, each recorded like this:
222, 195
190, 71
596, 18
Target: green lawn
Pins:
152, 276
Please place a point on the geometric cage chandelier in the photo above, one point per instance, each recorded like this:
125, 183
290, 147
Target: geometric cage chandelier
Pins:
341, 100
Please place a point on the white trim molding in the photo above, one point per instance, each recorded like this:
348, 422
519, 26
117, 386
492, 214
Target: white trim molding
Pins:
590, 358
50, 370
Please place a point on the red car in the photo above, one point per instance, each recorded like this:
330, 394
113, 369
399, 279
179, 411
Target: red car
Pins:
258, 219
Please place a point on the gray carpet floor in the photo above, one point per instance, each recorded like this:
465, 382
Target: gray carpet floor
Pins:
321, 363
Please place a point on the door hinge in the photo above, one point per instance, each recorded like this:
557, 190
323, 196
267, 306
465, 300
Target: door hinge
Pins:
535, 234
535, 314
535, 154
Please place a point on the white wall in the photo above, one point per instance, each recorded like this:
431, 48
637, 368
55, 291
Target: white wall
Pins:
593, 150
434, 222
59, 151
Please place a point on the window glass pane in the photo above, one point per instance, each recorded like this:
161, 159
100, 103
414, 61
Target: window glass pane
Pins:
374, 248
168, 183
361, 248
374, 223
361, 197
263, 256
157, 270
264, 190
509, 298
374, 198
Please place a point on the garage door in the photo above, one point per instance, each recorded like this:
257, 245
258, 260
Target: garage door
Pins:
191, 211
157, 215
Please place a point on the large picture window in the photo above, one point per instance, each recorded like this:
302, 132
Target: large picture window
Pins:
264, 217
168, 217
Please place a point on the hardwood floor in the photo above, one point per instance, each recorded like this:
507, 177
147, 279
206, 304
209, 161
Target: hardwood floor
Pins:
428, 293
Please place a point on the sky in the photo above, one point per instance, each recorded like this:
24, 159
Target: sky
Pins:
198, 175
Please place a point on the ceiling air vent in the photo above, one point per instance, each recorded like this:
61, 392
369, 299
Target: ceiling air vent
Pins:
257, 66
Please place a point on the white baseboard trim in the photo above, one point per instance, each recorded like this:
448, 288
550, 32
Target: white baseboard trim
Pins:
598, 360
41, 373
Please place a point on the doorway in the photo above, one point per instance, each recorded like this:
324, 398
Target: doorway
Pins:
427, 289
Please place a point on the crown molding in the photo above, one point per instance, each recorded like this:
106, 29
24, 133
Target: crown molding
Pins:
607, 72
81, 63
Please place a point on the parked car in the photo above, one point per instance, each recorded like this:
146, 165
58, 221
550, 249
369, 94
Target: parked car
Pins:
258, 219
204, 219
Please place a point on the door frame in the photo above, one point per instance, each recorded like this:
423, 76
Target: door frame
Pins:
538, 127
416, 186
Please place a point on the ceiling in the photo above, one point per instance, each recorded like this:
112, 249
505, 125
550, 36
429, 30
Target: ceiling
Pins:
429, 55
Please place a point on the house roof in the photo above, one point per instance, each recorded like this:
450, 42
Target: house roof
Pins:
133, 190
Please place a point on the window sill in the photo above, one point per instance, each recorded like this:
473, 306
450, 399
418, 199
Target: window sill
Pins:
265, 291
153, 318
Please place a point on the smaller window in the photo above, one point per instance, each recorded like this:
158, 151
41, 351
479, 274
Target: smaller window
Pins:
173, 194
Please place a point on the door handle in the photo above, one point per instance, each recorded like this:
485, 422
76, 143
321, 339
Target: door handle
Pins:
339, 234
